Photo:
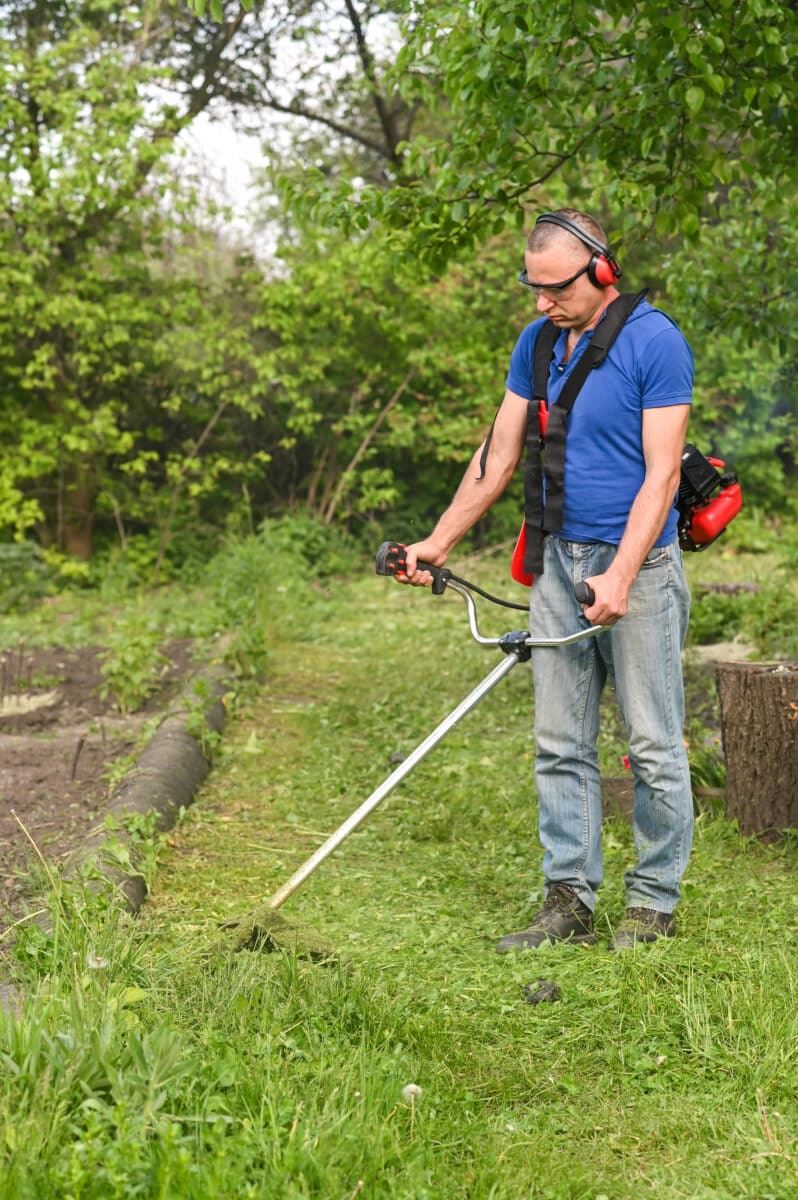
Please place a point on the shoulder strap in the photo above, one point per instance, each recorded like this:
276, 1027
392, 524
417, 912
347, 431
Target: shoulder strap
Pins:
544, 349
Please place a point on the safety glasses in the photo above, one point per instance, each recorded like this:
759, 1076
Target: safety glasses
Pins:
550, 289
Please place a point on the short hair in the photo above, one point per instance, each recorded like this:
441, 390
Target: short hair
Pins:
547, 232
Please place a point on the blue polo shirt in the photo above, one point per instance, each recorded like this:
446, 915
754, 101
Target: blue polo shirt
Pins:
649, 365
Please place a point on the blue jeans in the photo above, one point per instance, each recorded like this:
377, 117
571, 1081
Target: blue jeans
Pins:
641, 656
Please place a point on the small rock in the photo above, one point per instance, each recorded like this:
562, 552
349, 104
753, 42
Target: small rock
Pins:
541, 992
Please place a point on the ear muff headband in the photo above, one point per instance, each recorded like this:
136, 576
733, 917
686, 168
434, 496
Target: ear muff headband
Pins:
603, 268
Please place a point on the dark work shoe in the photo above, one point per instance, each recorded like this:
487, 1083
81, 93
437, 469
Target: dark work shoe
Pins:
640, 926
563, 918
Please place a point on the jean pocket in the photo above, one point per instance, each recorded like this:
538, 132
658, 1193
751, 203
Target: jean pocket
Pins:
657, 557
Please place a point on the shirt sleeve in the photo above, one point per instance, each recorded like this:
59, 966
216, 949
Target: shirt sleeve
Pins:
667, 370
519, 376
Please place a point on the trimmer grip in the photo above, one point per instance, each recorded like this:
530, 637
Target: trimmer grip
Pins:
584, 593
391, 559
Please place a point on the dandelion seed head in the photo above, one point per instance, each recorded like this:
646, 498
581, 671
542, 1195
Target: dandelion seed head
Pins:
95, 962
411, 1092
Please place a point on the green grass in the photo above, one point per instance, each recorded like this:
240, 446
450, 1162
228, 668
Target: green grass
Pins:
141, 1067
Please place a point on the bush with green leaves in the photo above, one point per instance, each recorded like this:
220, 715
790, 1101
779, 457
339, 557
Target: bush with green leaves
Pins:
716, 617
132, 664
769, 618
25, 576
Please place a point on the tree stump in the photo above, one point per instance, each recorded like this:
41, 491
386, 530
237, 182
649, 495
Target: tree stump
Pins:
759, 727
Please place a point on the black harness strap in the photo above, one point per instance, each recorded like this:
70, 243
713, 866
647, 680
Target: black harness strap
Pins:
533, 471
538, 520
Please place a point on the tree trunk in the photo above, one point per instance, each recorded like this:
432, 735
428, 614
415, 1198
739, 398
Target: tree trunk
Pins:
759, 725
76, 517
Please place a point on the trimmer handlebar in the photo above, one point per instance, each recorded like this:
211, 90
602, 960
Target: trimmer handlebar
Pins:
391, 559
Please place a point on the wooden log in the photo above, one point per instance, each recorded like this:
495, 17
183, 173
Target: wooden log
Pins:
759, 728
727, 589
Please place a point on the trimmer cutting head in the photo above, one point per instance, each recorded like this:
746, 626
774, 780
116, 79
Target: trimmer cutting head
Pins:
265, 930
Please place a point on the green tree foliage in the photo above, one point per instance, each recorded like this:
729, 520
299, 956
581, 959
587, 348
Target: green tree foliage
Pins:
117, 358
380, 384
670, 106
137, 356
677, 126
155, 379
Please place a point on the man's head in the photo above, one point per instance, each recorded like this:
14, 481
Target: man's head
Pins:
570, 267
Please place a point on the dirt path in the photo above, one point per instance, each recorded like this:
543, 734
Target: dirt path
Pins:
59, 740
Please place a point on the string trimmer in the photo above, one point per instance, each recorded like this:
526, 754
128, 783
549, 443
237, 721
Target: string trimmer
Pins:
265, 929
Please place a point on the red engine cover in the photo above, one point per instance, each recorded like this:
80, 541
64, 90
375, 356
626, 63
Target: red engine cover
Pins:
708, 522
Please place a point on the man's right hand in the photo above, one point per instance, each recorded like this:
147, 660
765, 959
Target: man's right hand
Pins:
426, 551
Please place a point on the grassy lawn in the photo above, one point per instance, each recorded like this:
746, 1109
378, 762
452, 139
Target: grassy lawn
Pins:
146, 1064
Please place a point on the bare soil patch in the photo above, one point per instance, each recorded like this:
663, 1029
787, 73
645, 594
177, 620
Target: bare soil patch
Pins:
59, 739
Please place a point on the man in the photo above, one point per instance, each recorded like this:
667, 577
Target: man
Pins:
616, 530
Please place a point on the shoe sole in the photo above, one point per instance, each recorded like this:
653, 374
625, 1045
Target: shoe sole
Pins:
578, 939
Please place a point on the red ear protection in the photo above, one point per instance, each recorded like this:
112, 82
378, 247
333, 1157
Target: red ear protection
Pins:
603, 268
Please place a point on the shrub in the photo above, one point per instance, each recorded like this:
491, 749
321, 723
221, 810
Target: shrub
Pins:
768, 619
24, 575
716, 617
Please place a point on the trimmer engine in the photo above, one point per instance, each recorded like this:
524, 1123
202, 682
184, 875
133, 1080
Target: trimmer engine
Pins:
703, 514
